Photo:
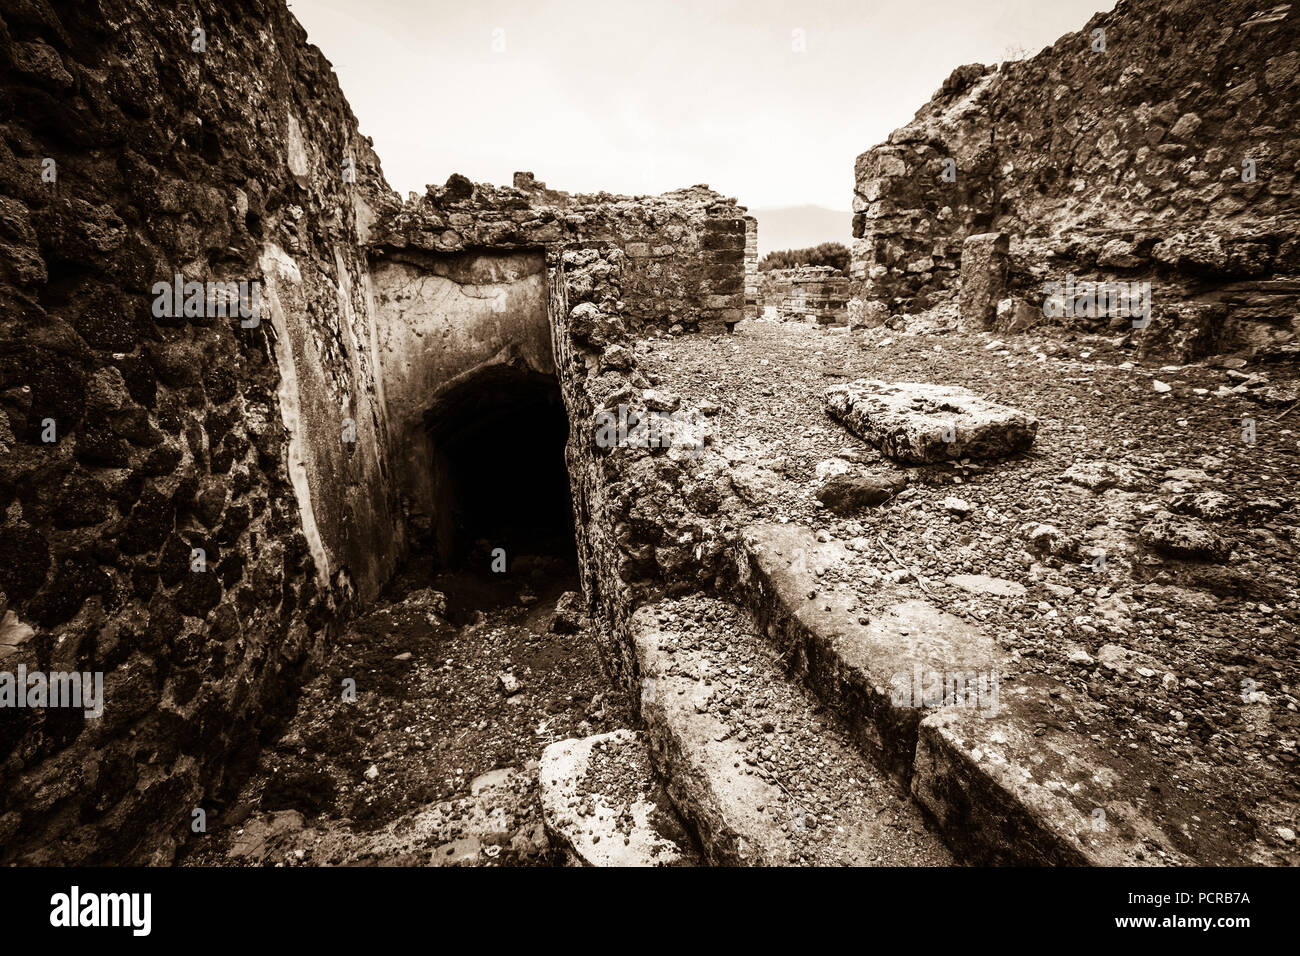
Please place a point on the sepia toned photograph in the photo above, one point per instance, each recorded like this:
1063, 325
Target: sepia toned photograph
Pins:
695, 434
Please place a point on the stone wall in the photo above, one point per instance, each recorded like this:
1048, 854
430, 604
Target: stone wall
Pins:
648, 503
191, 505
186, 504
815, 294
685, 249
1168, 156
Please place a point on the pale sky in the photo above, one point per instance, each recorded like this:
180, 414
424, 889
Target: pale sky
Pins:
643, 96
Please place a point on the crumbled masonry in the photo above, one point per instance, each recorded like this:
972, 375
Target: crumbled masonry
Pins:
984, 552
1142, 162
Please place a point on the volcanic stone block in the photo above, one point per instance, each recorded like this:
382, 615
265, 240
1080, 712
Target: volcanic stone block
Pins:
848, 493
568, 613
921, 423
1183, 538
983, 278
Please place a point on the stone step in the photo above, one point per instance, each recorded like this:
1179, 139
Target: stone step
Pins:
867, 672
602, 805
1020, 788
759, 775
995, 766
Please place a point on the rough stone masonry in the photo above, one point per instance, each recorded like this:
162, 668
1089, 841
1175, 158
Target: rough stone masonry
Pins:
194, 503
1157, 144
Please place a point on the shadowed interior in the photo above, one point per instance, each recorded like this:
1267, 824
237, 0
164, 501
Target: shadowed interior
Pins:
500, 474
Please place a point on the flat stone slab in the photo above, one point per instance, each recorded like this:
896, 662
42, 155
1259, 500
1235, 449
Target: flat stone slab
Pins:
602, 805
920, 423
754, 769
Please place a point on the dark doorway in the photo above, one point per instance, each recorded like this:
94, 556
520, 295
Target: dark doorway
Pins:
500, 473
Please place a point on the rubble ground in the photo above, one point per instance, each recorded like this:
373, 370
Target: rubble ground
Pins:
435, 762
1155, 544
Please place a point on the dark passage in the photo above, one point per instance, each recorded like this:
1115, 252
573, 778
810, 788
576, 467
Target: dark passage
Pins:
500, 471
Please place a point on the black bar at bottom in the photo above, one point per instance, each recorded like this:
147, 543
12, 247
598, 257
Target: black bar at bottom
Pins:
578, 908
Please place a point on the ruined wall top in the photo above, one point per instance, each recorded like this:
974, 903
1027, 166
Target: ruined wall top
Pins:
1169, 122
465, 215
685, 249
804, 273
1131, 119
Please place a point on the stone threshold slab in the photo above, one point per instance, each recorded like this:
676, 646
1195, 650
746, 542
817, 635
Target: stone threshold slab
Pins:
1021, 789
867, 672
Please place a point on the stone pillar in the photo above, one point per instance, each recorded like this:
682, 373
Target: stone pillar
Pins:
983, 279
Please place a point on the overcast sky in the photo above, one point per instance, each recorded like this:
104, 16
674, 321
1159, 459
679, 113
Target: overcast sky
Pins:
640, 97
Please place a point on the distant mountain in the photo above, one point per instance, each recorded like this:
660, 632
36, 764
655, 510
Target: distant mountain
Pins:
798, 227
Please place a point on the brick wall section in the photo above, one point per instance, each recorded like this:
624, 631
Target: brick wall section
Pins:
816, 294
685, 249
173, 435
1125, 163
